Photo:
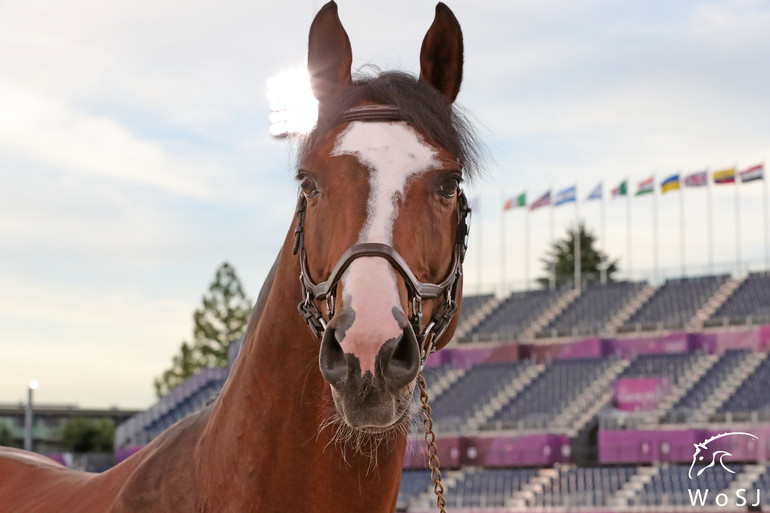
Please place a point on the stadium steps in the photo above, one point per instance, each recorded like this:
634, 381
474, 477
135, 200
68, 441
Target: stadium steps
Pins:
445, 381
746, 479
426, 501
585, 406
535, 486
550, 314
691, 378
624, 497
435, 389
729, 385
633, 304
505, 395
469, 324
710, 307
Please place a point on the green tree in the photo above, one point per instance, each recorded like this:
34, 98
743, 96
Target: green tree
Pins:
81, 435
221, 319
6, 436
560, 260
183, 365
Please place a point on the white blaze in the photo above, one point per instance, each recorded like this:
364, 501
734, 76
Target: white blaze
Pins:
394, 153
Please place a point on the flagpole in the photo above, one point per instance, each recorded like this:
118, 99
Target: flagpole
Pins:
710, 221
737, 223
628, 230
654, 229
767, 219
604, 230
526, 247
502, 246
681, 226
576, 244
553, 239
603, 220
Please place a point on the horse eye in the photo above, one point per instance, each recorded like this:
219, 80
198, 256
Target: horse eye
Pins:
309, 188
449, 187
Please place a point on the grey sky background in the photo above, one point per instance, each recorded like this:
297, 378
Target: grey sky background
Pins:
135, 155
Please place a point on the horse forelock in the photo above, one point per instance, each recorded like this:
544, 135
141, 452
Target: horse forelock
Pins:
421, 106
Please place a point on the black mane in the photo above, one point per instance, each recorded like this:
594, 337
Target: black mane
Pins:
422, 107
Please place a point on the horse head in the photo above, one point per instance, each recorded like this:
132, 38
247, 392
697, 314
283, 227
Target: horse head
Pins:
382, 218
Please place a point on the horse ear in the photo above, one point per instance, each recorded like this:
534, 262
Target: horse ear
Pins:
441, 55
329, 57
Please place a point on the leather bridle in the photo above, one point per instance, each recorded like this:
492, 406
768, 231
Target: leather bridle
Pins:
446, 290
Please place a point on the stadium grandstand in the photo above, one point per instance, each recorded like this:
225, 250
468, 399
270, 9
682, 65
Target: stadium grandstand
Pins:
593, 401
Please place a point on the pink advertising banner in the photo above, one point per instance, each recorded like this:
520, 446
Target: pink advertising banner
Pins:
640, 394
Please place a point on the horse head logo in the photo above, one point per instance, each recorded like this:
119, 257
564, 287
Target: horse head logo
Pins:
702, 450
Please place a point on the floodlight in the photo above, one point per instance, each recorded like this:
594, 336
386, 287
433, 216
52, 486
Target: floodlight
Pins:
293, 107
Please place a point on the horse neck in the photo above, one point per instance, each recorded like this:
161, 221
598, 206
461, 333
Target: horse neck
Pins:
263, 444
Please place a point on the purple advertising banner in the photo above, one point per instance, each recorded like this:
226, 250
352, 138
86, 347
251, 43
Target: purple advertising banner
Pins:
508, 451
764, 338
584, 348
640, 394
416, 455
656, 445
459, 358
505, 353
676, 342
720, 341
491, 451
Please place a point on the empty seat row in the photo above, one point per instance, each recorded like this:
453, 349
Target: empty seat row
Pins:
516, 313
750, 299
593, 309
676, 302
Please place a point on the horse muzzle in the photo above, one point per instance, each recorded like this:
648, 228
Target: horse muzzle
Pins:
375, 393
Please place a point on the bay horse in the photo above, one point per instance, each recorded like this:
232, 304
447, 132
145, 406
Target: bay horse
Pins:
373, 258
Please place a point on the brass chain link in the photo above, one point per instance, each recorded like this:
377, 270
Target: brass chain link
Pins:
430, 440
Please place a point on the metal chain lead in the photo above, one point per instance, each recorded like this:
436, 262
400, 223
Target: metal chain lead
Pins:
430, 440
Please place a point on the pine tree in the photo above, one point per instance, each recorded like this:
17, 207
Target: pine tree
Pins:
184, 365
560, 260
221, 319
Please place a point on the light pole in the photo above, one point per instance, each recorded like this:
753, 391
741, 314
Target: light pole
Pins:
28, 417
603, 266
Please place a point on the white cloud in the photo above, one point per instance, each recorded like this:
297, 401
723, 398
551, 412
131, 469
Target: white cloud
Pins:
48, 132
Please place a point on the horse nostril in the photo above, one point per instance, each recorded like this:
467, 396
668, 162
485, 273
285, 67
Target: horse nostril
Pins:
400, 359
332, 358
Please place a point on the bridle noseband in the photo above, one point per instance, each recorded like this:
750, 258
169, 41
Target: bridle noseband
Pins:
417, 290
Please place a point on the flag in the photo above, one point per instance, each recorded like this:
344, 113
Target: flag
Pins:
670, 184
518, 201
646, 186
596, 193
565, 196
725, 176
698, 179
621, 190
542, 201
753, 173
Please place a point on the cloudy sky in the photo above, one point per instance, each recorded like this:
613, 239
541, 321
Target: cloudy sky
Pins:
135, 155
